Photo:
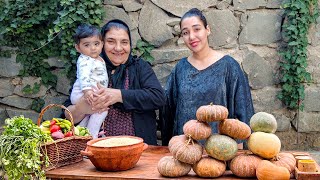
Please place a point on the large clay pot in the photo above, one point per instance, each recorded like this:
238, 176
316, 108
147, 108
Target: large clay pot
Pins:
117, 158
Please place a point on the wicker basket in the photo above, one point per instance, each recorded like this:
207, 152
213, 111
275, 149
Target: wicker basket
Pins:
64, 151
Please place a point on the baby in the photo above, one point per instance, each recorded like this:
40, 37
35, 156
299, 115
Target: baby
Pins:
91, 69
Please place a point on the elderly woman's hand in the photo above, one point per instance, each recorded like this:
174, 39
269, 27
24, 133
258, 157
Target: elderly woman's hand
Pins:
104, 97
79, 110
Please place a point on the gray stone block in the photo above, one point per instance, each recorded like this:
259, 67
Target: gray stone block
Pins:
26, 113
153, 24
307, 122
3, 116
179, 7
9, 67
262, 27
17, 101
63, 83
224, 27
131, 5
266, 99
248, 4
55, 62
113, 12
169, 55
6, 87
312, 99
163, 71
259, 71
54, 111
31, 81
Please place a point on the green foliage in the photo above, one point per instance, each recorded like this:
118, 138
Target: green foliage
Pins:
71, 14
299, 15
42, 29
37, 104
23, 24
143, 49
31, 90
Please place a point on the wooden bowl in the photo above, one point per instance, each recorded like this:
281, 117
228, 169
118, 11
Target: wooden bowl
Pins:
115, 157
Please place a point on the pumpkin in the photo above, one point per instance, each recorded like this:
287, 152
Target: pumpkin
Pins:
187, 151
197, 130
170, 167
263, 122
266, 145
245, 165
221, 147
174, 139
234, 128
266, 170
209, 167
286, 160
210, 113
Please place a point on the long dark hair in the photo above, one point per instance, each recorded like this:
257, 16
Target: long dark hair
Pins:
195, 12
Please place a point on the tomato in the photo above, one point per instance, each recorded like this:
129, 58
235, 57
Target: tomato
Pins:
54, 128
52, 122
68, 134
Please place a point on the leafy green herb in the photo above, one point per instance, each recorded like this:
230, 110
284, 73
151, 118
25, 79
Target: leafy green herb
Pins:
20, 152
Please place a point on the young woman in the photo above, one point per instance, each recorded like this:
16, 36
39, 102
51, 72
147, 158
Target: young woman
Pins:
133, 93
205, 76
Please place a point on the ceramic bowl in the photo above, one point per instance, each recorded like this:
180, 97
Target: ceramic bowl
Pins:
115, 158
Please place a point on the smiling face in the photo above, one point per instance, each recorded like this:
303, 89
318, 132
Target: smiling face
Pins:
90, 46
117, 45
194, 33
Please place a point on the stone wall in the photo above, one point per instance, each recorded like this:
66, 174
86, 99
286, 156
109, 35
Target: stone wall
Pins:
248, 30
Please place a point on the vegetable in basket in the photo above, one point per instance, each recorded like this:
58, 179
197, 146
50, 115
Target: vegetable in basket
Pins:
20, 150
60, 128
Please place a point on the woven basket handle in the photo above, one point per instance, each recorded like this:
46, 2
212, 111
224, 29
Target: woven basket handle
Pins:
56, 105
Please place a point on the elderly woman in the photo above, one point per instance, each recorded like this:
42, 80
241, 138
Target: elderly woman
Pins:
133, 93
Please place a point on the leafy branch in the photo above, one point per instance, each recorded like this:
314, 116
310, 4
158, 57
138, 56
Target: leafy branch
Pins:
299, 15
42, 29
143, 50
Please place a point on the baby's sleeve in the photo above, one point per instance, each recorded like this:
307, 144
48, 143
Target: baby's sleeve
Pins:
84, 65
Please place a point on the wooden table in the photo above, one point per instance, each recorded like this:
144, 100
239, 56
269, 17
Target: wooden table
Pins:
146, 168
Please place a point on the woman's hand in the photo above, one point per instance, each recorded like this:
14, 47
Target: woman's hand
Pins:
104, 97
79, 110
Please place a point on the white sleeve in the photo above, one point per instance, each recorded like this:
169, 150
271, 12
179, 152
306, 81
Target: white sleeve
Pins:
84, 71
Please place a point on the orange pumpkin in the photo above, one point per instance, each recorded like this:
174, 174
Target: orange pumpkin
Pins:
245, 165
266, 145
197, 130
179, 138
266, 170
170, 167
286, 160
234, 128
187, 151
209, 167
210, 113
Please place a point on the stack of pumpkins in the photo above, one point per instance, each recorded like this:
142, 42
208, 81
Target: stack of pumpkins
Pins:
266, 161
220, 148
187, 153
